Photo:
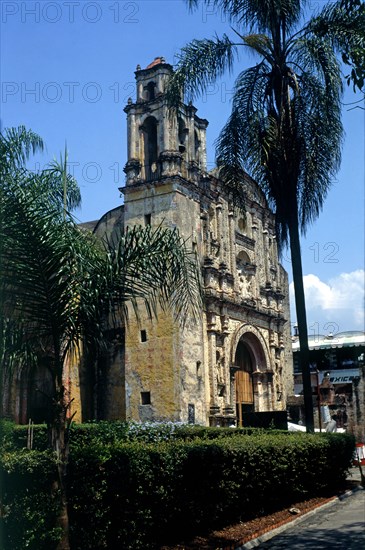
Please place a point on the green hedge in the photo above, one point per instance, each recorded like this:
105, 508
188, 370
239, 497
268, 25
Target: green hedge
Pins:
136, 495
112, 432
28, 507
15, 436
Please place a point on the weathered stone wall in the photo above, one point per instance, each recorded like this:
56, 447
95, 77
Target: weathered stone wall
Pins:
150, 367
170, 363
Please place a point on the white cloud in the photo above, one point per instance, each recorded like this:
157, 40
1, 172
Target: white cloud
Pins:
339, 301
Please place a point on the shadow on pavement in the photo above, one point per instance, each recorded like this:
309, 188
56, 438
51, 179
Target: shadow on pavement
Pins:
351, 537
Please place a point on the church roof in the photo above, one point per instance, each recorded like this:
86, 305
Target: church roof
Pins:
156, 61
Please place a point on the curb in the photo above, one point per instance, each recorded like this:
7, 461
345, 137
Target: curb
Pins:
253, 543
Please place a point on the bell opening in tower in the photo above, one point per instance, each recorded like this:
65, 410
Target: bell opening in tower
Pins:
150, 148
150, 91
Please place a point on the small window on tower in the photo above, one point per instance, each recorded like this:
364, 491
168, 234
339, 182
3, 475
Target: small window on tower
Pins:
145, 398
147, 219
143, 336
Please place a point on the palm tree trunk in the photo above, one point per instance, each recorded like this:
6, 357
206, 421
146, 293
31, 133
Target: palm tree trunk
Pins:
304, 362
62, 519
59, 445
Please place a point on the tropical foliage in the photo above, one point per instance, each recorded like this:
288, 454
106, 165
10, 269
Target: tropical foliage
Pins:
285, 126
61, 288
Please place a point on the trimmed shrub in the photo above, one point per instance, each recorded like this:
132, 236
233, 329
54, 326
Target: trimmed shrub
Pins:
139, 495
14, 436
29, 509
113, 432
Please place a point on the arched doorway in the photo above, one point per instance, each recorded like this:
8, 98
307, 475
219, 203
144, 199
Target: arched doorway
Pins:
244, 363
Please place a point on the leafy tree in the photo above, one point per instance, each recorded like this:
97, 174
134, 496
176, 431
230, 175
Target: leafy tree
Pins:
61, 288
352, 52
285, 126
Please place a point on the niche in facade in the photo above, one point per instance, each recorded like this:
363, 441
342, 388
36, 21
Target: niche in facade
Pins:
242, 260
242, 225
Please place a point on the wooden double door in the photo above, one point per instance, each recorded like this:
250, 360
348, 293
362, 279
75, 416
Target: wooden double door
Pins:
243, 382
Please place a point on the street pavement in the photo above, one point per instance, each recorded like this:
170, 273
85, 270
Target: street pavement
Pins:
337, 525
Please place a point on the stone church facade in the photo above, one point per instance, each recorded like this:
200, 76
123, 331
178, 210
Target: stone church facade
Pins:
238, 358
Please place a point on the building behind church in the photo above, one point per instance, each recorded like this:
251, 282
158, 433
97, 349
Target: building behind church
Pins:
337, 363
237, 358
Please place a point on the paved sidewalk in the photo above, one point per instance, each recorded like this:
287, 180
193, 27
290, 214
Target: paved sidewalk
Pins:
339, 524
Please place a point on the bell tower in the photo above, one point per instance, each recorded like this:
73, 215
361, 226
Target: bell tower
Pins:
162, 142
165, 165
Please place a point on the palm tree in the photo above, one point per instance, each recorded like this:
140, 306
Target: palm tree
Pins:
285, 125
62, 288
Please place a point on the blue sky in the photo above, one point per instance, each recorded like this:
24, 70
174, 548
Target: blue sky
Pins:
67, 72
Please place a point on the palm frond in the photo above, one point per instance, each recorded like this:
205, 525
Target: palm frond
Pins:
61, 184
311, 54
261, 44
320, 136
320, 131
289, 143
198, 65
262, 15
155, 266
16, 145
237, 144
43, 268
15, 353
